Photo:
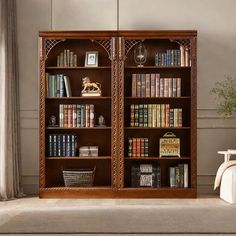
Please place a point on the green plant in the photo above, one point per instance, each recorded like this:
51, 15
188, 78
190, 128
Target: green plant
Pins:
225, 92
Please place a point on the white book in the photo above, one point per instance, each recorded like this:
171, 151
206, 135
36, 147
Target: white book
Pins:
67, 85
185, 175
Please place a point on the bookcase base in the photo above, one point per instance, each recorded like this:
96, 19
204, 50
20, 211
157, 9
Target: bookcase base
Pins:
101, 192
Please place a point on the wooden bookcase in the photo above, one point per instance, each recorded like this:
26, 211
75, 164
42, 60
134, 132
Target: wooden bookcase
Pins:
114, 72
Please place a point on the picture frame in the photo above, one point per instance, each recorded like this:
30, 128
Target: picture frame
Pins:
91, 59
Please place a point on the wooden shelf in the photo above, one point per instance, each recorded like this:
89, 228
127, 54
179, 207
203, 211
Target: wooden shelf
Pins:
81, 128
80, 158
157, 158
78, 98
153, 98
77, 67
154, 128
158, 67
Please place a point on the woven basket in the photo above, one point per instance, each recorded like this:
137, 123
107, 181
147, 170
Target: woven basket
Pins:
79, 177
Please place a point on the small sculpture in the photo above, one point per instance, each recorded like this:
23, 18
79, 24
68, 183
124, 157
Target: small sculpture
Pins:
101, 121
140, 54
53, 121
90, 88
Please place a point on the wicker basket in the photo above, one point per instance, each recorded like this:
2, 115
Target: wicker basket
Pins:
79, 177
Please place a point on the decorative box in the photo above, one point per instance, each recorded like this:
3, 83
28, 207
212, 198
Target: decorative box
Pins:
88, 151
169, 145
145, 175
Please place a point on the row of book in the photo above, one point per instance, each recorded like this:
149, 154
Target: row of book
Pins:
76, 115
62, 145
67, 58
155, 116
138, 147
58, 85
178, 176
151, 85
174, 57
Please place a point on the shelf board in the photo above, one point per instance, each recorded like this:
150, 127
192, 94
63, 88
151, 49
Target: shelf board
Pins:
150, 128
80, 158
78, 98
133, 98
82, 128
158, 67
76, 67
157, 158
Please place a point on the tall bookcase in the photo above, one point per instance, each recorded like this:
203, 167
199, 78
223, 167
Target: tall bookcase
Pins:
115, 72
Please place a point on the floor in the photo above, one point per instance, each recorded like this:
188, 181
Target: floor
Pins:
9, 210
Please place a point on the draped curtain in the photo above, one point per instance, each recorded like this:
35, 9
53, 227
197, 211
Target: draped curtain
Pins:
10, 165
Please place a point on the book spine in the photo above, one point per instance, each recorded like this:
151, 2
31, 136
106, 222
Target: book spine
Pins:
71, 59
70, 116
74, 116
50, 146
161, 87
171, 117
147, 85
157, 85
185, 175
54, 145
87, 113
62, 86
182, 59
130, 147
146, 147
149, 115
132, 115
178, 87
166, 88
139, 83
61, 59
180, 117
138, 147
136, 115
64, 145
68, 145
82, 124
163, 115
65, 60
61, 113
153, 85
158, 177
177, 176
134, 85
158, 107
140, 115
91, 115
170, 87
172, 180
65, 123
78, 111
73, 146
75, 60
143, 85
142, 147
59, 151
174, 87
134, 147
145, 115
167, 114
154, 115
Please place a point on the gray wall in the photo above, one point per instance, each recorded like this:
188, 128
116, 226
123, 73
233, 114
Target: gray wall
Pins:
215, 22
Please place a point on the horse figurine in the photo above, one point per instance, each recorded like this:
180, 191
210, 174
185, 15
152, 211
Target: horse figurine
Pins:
88, 86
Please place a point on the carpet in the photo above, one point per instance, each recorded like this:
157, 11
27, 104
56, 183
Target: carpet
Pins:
130, 219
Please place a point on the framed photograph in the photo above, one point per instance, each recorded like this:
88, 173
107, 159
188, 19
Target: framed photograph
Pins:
91, 59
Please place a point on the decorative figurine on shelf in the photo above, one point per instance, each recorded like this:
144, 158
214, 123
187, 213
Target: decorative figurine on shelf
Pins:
53, 121
140, 54
101, 121
90, 88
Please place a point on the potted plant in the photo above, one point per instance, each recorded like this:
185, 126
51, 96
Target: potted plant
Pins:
225, 92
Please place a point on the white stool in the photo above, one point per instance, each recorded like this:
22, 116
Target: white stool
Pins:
228, 181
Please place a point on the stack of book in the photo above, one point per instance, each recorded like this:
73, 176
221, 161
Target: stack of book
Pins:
58, 85
169, 58
155, 116
61, 145
67, 58
151, 85
76, 115
138, 147
173, 57
178, 176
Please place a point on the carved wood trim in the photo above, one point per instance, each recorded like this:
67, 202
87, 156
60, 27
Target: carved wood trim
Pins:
183, 42
120, 158
114, 113
42, 50
129, 43
107, 45
50, 44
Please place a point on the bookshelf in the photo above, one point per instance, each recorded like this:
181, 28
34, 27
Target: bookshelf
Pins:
119, 160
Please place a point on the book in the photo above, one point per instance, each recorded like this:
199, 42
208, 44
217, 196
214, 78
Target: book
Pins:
67, 86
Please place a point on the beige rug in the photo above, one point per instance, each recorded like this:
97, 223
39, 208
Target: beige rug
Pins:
122, 219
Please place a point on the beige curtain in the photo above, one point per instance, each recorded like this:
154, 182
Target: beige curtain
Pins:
10, 168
